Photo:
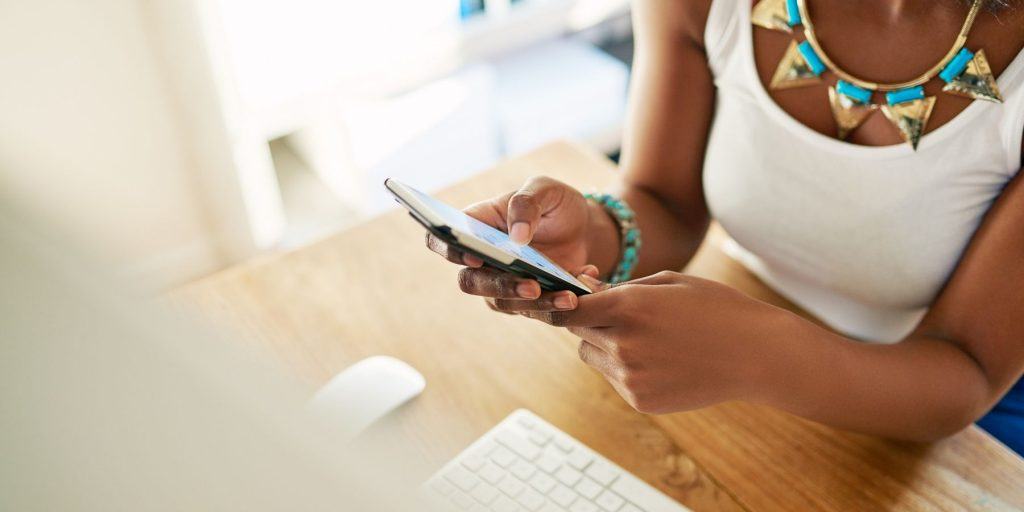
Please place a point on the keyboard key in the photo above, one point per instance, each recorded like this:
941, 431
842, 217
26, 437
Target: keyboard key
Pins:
562, 495
491, 473
521, 446
462, 479
485, 449
531, 499
602, 473
526, 465
511, 487
563, 443
474, 462
539, 437
523, 470
579, 459
630, 488
442, 487
527, 421
504, 504
583, 506
503, 457
551, 507
568, 476
588, 488
549, 463
484, 493
610, 501
542, 482
462, 501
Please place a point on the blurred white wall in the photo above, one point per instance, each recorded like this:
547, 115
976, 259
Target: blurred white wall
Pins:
112, 126
142, 126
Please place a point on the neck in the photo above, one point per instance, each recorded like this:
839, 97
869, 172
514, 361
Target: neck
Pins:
896, 12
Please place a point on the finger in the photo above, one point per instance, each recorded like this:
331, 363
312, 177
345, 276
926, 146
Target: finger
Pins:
597, 358
605, 308
590, 270
593, 283
471, 261
527, 204
491, 212
451, 253
592, 310
489, 282
598, 336
663, 277
490, 303
548, 301
591, 317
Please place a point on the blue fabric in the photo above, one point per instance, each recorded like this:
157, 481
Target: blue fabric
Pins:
1006, 420
956, 66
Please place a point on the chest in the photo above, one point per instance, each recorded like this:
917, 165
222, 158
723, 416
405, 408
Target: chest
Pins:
881, 231
884, 50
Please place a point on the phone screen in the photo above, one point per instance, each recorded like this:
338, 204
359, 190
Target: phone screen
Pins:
463, 223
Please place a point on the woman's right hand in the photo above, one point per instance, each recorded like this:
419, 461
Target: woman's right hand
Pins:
553, 218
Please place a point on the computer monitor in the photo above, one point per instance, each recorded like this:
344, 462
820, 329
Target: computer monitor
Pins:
111, 403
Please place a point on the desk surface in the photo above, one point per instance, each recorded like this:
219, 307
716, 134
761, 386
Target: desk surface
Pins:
375, 289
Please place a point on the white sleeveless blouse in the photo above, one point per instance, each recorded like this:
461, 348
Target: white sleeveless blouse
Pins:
862, 237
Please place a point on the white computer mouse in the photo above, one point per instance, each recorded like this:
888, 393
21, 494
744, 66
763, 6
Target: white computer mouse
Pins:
364, 392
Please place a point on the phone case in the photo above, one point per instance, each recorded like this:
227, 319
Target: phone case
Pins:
515, 266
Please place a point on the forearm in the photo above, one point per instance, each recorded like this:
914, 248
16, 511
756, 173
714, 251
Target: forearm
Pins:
671, 104
669, 238
918, 389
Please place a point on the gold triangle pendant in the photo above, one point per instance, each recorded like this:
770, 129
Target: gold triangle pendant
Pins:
771, 14
910, 118
793, 70
976, 82
847, 112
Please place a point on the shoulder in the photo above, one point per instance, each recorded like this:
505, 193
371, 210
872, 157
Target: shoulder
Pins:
682, 20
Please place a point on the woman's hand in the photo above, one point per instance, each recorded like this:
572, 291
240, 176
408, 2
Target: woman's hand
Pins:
671, 342
551, 216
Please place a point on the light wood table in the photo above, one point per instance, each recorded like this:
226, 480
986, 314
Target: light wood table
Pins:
375, 289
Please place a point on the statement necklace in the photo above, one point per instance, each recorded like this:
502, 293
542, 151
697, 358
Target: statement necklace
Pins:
965, 73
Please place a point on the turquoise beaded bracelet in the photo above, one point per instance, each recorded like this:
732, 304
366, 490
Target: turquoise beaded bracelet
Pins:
629, 234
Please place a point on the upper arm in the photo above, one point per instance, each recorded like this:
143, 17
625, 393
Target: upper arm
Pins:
981, 308
671, 104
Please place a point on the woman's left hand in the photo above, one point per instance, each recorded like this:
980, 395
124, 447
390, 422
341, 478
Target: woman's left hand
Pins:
672, 342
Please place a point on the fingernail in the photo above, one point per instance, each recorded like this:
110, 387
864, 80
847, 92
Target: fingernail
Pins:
520, 233
472, 261
593, 284
566, 301
527, 290
590, 270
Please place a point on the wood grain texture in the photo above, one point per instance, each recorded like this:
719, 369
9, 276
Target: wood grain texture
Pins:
375, 289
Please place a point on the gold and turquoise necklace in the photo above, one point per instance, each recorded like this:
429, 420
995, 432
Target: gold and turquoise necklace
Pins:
965, 73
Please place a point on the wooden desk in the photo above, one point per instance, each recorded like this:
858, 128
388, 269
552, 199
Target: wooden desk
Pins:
375, 289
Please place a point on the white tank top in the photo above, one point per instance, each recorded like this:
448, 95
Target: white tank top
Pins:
862, 237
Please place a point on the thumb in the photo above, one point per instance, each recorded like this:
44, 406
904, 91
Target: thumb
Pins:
593, 283
526, 206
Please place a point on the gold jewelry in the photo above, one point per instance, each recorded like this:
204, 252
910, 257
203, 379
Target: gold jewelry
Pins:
961, 40
965, 73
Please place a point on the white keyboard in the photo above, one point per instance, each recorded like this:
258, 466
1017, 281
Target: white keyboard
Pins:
526, 464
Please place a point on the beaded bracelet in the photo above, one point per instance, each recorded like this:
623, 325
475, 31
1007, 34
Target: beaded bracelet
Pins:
628, 230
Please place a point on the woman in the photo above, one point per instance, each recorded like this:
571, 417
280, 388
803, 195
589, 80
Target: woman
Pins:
909, 247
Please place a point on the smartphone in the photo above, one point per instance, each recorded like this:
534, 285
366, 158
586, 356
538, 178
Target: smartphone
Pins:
491, 245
